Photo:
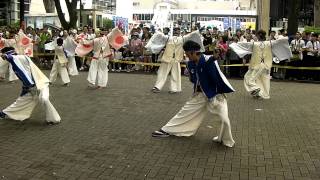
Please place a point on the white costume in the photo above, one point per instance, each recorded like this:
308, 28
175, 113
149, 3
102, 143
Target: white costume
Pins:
98, 72
59, 66
188, 120
22, 45
35, 89
171, 58
257, 79
70, 45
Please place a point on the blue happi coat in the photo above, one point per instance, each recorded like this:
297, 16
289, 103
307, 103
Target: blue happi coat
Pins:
207, 76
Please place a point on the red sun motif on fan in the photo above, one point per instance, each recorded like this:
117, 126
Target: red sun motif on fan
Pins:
25, 41
86, 45
119, 40
1, 44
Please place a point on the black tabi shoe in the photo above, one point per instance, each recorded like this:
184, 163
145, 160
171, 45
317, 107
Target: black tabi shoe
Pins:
52, 123
255, 92
160, 133
2, 115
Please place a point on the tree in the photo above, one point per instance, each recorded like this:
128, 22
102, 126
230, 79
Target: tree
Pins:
107, 23
49, 6
293, 8
71, 6
316, 12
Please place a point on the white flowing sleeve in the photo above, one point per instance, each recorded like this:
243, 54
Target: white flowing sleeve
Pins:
70, 46
281, 49
50, 46
242, 48
195, 36
157, 42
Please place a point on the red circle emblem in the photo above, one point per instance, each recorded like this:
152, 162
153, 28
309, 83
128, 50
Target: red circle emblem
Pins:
119, 40
25, 41
1, 44
86, 45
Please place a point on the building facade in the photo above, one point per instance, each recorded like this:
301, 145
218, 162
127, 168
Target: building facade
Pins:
10, 9
280, 8
188, 12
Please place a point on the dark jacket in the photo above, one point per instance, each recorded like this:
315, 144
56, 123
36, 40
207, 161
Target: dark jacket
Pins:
211, 80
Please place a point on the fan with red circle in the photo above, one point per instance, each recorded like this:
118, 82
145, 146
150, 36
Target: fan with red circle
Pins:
116, 38
84, 47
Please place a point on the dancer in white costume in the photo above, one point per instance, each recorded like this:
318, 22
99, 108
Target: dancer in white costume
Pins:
209, 85
98, 72
59, 66
69, 45
35, 88
257, 79
171, 58
22, 45
170, 63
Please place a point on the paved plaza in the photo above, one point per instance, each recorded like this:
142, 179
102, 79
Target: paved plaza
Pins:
106, 134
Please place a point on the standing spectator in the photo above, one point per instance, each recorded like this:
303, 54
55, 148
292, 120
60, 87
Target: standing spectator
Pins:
312, 55
136, 47
207, 42
296, 46
272, 35
146, 53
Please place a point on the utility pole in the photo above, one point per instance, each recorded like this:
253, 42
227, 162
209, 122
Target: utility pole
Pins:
263, 10
22, 26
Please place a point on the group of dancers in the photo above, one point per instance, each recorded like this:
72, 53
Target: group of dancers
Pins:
209, 83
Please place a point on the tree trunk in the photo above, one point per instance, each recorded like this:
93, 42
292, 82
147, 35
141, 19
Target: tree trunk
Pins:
316, 12
49, 6
293, 17
71, 6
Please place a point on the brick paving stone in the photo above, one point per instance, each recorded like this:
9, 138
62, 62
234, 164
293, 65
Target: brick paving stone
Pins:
105, 134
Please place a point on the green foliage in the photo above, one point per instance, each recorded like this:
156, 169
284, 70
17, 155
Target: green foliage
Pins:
15, 25
312, 29
107, 23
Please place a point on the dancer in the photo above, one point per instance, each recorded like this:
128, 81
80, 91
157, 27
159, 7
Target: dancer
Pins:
170, 63
69, 45
34, 89
59, 66
98, 71
257, 78
209, 86
171, 58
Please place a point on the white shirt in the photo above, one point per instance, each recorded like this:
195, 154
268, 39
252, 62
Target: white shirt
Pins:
296, 45
312, 46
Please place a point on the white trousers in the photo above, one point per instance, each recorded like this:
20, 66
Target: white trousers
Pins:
98, 72
22, 108
187, 121
175, 78
72, 66
57, 68
258, 78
